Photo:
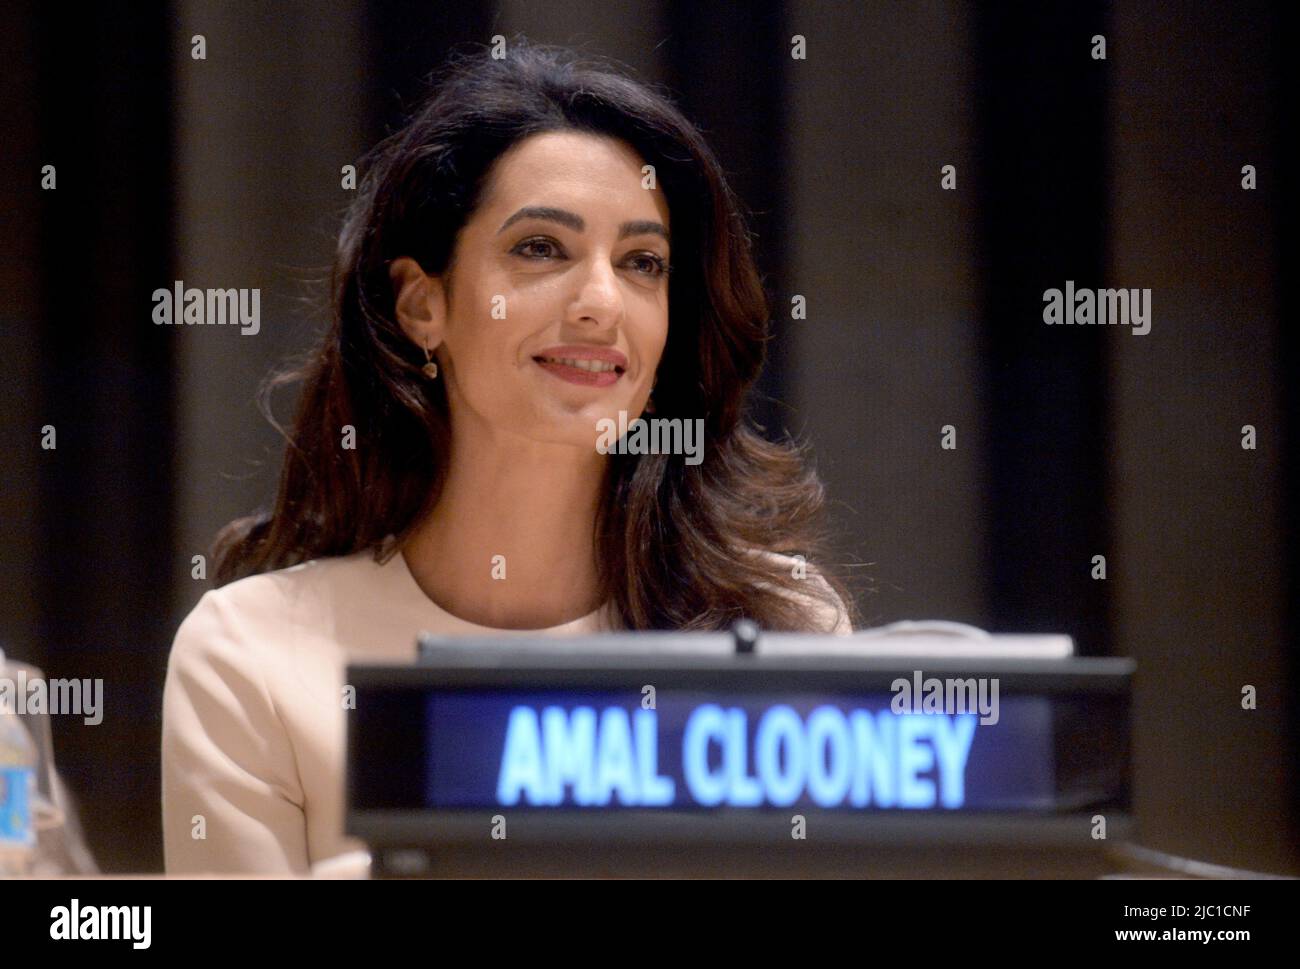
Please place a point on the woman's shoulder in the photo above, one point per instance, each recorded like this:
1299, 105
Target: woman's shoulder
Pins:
268, 607
267, 594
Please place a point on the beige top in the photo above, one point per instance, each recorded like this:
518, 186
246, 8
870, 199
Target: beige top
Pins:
254, 713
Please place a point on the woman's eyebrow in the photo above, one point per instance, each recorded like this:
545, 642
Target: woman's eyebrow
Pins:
575, 222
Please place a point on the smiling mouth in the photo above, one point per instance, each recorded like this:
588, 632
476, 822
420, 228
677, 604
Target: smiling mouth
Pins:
594, 366
592, 373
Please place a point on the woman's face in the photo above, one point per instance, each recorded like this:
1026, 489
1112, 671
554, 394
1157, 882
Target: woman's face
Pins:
562, 261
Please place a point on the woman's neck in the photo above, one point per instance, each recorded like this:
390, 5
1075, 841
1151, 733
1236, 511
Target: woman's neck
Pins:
509, 543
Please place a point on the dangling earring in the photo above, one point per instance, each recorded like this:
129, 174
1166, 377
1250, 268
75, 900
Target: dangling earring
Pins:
431, 368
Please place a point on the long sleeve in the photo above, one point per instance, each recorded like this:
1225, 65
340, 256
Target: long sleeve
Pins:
228, 768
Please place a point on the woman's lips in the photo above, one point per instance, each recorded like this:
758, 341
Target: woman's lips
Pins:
590, 366
576, 375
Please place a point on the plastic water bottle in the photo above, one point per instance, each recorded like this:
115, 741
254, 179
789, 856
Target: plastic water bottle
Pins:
17, 784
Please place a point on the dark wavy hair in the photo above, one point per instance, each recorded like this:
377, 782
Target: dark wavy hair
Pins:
675, 544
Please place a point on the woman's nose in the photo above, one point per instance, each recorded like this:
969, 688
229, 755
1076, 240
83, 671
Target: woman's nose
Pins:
598, 297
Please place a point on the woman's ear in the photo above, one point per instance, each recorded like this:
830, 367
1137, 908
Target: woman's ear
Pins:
419, 302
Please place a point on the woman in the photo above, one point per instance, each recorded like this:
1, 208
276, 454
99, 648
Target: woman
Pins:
546, 250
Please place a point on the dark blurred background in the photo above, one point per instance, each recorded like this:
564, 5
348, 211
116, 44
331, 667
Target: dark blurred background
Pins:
924, 310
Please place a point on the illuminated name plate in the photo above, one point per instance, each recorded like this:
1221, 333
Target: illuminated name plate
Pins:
697, 747
699, 751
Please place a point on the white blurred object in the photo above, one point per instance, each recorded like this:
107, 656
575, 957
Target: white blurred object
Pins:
18, 763
58, 846
349, 865
61, 845
929, 639
928, 627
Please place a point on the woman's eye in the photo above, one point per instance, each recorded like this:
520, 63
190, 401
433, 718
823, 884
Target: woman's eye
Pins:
650, 264
645, 263
546, 246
